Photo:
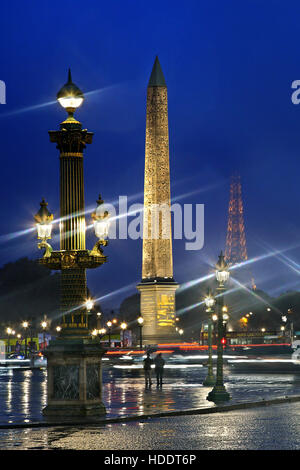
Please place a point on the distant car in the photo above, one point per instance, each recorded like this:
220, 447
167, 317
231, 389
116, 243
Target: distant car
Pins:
16, 356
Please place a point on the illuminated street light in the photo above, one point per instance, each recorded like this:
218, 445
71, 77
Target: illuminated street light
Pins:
123, 328
219, 393
8, 332
44, 325
180, 331
141, 322
89, 305
94, 332
25, 325
268, 309
72, 259
263, 330
100, 219
98, 319
58, 329
43, 219
222, 272
209, 301
70, 97
109, 325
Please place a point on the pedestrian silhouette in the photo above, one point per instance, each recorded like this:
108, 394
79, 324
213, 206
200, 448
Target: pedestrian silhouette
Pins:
159, 368
147, 369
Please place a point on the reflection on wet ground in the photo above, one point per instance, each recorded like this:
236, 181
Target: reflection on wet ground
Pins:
23, 396
23, 392
273, 427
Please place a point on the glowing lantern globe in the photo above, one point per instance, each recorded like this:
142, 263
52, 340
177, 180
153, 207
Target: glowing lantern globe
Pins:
222, 273
43, 220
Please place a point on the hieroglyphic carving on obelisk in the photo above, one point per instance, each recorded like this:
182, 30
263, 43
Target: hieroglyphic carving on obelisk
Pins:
157, 287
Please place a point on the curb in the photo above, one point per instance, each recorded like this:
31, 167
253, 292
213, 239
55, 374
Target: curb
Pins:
164, 414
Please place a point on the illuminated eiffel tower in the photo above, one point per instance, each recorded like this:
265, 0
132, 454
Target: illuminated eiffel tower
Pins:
236, 247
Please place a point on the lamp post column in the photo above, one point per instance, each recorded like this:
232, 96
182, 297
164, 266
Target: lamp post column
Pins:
25, 343
210, 378
219, 392
109, 325
8, 332
141, 322
71, 140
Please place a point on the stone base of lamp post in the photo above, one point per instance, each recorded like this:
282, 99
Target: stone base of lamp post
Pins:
218, 393
209, 381
74, 369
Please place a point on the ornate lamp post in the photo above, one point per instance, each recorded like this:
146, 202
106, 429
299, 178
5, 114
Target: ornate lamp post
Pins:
44, 325
43, 220
210, 302
74, 358
25, 325
123, 328
109, 325
8, 332
99, 320
140, 322
219, 393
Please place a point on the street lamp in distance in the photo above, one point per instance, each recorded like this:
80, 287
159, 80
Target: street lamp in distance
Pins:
141, 322
123, 328
44, 325
25, 325
219, 392
109, 325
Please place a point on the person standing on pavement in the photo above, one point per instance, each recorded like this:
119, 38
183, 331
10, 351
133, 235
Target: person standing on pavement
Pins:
147, 369
159, 368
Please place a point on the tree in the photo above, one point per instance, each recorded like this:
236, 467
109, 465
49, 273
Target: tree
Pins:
28, 291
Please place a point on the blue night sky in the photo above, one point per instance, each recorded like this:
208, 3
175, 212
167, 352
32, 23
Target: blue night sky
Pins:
228, 65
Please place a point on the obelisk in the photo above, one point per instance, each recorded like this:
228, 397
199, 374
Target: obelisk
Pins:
157, 287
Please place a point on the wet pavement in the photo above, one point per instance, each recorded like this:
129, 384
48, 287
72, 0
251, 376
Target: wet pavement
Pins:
23, 392
23, 396
273, 428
